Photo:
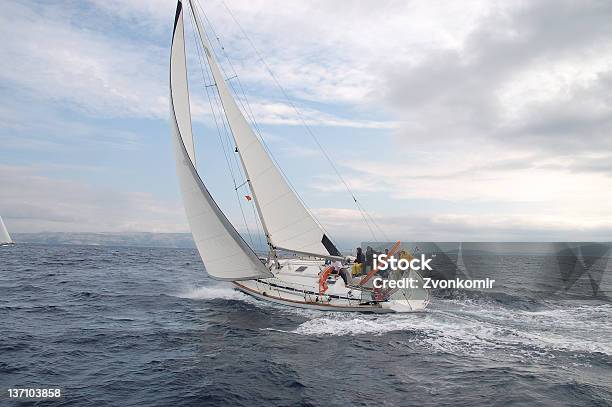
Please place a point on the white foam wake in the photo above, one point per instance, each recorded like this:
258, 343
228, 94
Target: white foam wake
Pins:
477, 329
223, 292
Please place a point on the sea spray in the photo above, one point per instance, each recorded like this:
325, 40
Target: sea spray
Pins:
223, 292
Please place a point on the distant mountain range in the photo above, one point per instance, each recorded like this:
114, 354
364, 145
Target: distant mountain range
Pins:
134, 239
140, 239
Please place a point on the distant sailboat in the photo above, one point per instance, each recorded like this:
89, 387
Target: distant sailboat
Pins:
287, 224
5, 238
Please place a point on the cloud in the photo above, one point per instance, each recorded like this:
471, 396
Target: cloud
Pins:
33, 201
26, 129
321, 50
53, 59
563, 198
279, 113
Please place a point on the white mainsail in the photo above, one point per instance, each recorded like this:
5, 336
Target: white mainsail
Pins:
286, 221
5, 238
224, 252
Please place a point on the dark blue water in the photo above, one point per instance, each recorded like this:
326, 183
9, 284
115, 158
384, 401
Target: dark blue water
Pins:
146, 327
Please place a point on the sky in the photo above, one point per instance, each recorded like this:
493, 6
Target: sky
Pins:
472, 120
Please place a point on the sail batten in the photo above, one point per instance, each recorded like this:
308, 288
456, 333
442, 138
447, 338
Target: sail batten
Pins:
224, 252
286, 221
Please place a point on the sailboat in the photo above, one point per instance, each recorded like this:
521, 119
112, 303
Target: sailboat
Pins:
5, 238
304, 279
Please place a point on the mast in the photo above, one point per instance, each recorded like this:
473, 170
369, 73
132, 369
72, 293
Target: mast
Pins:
272, 253
224, 252
286, 221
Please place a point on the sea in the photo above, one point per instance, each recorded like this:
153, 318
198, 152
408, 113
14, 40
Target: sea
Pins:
126, 326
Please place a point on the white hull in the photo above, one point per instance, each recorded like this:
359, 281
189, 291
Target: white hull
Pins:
312, 305
296, 284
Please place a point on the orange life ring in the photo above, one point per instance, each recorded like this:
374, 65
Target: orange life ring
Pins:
323, 279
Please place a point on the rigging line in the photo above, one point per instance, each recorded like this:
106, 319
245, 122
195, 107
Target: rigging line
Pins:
204, 77
378, 227
365, 220
308, 129
240, 169
235, 74
251, 116
259, 226
229, 138
228, 144
241, 185
219, 104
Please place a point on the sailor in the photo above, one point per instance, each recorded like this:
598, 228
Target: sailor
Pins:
359, 259
385, 273
369, 258
358, 267
346, 276
341, 271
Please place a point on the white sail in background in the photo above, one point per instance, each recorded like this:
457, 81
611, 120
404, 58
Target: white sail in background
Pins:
224, 252
5, 238
286, 221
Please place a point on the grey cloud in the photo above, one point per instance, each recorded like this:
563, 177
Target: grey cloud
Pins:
569, 164
504, 229
602, 165
480, 228
452, 94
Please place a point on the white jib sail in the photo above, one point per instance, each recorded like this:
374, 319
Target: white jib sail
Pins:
4, 234
224, 253
288, 223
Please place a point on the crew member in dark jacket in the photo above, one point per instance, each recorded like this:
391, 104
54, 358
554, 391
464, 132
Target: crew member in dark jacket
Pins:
369, 258
360, 259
